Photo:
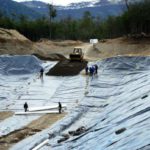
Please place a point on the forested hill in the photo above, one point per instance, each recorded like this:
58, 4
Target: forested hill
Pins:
134, 21
15, 10
36, 9
102, 9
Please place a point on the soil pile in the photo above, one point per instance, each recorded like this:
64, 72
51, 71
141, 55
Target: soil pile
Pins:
55, 50
67, 68
120, 46
12, 42
51, 57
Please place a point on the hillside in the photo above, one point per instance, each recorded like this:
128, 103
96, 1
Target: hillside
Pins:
120, 47
14, 10
76, 10
12, 42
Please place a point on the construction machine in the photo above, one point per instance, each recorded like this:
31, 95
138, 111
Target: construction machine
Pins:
77, 54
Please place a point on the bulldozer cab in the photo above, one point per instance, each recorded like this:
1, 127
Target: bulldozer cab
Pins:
77, 54
77, 50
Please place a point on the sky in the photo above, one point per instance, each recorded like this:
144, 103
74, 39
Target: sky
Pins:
58, 2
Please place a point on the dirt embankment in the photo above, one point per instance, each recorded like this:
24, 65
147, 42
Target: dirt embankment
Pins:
12, 42
103, 49
55, 50
120, 46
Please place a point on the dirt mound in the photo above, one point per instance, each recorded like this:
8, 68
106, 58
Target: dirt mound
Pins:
60, 42
120, 46
12, 42
51, 57
67, 68
11, 34
47, 48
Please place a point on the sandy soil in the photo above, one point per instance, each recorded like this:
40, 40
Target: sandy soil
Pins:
12, 42
5, 114
120, 46
61, 47
101, 50
50, 49
35, 126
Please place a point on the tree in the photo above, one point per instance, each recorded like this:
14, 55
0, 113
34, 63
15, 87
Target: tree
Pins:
127, 4
86, 26
1, 14
52, 15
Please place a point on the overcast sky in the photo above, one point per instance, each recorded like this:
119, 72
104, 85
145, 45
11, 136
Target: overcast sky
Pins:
57, 2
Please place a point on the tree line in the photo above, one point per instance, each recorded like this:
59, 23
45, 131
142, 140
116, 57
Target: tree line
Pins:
135, 20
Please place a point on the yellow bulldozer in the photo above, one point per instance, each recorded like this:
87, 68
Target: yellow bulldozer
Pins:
77, 54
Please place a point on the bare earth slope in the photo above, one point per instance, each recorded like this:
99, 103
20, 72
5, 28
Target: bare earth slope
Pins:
12, 42
120, 46
55, 49
109, 48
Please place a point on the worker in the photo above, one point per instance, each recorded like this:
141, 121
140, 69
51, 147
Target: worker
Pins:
96, 68
41, 73
25, 106
59, 107
86, 70
91, 70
